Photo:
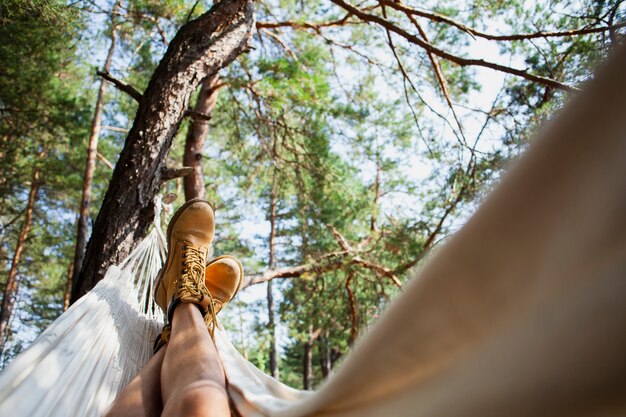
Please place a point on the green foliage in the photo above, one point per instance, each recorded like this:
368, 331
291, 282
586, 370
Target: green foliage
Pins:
44, 117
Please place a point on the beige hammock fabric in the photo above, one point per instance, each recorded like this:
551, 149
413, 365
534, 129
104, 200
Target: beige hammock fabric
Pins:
521, 313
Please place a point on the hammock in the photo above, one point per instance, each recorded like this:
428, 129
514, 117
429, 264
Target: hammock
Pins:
521, 313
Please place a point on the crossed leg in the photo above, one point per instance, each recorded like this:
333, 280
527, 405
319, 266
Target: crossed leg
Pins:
185, 377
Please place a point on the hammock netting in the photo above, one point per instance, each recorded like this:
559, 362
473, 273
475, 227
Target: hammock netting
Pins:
521, 313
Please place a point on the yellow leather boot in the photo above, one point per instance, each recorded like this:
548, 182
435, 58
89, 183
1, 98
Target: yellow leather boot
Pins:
223, 278
182, 279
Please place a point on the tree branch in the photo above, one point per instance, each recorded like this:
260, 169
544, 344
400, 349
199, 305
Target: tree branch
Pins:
448, 56
104, 160
328, 262
115, 128
171, 173
379, 269
304, 25
322, 264
122, 86
471, 168
515, 37
195, 115
438, 75
339, 238
279, 41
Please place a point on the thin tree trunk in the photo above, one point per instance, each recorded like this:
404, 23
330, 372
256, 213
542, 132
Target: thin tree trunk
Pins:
354, 329
199, 50
10, 290
90, 166
244, 334
68, 287
307, 370
325, 358
270, 296
196, 135
373, 226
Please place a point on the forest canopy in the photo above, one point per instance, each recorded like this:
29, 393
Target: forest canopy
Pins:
340, 143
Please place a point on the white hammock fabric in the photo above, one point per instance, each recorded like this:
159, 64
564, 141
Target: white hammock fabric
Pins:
77, 366
521, 313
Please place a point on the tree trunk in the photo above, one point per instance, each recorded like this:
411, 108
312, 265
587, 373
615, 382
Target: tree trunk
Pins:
68, 287
244, 334
270, 297
90, 167
373, 225
325, 358
10, 290
307, 370
196, 135
199, 50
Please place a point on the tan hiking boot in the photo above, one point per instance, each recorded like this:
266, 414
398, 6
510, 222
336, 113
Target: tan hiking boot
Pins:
223, 278
189, 237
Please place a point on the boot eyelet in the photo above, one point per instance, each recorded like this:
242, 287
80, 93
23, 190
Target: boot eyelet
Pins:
184, 255
184, 247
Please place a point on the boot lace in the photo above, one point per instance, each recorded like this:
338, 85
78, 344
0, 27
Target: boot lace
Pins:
192, 277
210, 319
193, 281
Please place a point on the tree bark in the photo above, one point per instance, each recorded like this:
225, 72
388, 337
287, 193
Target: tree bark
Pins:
196, 135
199, 50
10, 290
270, 296
90, 166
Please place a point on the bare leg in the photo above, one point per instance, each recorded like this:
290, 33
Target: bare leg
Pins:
192, 376
142, 397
